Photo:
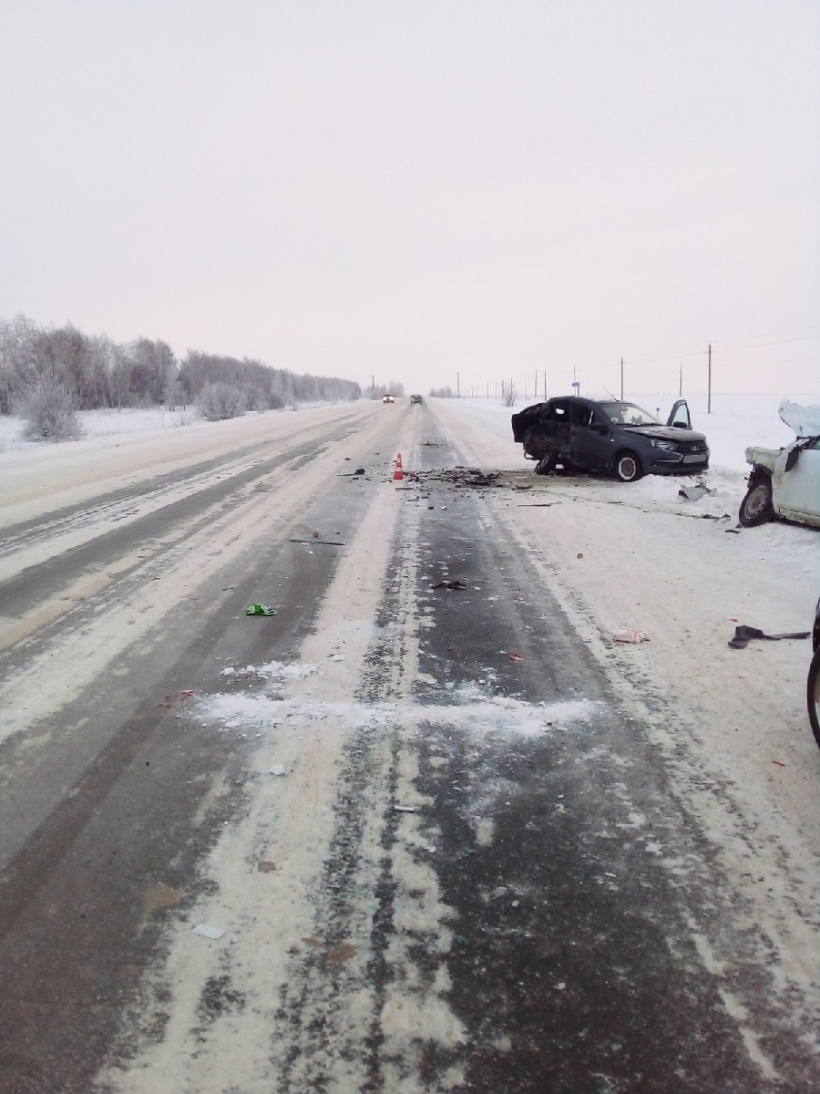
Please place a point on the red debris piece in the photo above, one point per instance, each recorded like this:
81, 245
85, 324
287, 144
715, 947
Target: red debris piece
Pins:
185, 694
777, 763
516, 657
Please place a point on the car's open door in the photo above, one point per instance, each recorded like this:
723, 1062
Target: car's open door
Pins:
679, 416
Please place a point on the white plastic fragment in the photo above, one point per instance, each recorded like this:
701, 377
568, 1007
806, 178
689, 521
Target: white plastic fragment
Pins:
277, 769
405, 808
208, 932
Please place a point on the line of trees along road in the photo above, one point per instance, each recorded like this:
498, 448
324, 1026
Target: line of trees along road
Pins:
96, 372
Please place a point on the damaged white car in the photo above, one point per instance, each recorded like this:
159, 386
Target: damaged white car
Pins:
785, 482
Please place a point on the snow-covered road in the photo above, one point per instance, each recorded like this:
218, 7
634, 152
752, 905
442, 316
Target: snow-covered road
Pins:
456, 839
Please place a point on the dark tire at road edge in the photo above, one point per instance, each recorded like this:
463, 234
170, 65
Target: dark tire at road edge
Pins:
813, 695
756, 507
628, 467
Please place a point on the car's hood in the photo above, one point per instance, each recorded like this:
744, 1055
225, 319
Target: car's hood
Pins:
667, 433
765, 457
804, 420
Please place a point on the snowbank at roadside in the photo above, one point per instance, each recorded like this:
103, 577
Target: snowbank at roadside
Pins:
126, 422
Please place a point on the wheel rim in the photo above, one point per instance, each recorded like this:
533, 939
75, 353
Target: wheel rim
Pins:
757, 500
628, 467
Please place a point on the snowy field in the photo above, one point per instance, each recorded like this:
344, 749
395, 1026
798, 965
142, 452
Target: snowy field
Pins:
99, 426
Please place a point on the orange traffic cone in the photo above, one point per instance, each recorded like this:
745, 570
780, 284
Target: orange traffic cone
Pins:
398, 474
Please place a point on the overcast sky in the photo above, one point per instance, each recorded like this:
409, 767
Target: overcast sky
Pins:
419, 190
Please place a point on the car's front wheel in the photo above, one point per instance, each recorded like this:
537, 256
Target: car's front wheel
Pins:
756, 507
628, 467
813, 695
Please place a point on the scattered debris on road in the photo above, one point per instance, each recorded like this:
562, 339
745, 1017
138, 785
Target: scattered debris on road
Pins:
320, 542
456, 586
744, 635
260, 609
214, 933
631, 637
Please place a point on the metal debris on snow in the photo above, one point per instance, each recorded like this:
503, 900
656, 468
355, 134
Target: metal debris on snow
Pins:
695, 491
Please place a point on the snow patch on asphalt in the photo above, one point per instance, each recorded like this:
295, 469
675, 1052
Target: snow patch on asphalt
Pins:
243, 712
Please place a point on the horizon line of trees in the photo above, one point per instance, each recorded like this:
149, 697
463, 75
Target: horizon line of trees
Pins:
98, 373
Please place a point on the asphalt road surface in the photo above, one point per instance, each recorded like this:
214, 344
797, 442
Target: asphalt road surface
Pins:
435, 837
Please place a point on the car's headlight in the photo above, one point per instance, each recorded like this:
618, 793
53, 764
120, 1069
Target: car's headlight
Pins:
667, 446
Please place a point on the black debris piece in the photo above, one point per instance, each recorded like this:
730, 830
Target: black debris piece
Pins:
744, 635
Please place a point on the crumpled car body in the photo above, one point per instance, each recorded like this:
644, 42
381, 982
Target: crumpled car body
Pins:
785, 482
611, 437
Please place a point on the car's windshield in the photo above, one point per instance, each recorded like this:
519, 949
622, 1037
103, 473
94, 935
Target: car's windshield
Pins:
628, 414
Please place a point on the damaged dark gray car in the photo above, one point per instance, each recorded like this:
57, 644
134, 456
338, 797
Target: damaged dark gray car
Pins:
610, 436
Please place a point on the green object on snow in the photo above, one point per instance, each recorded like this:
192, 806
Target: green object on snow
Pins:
260, 609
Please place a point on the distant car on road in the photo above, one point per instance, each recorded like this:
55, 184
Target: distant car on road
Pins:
609, 436
388, 398
785, 482
416, 400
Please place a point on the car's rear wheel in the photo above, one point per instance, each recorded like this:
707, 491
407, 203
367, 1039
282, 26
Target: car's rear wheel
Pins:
813, 695
628, 467
546, 464
756, 507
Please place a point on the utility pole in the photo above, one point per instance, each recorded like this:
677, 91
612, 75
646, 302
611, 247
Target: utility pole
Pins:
622, 379
709, 396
